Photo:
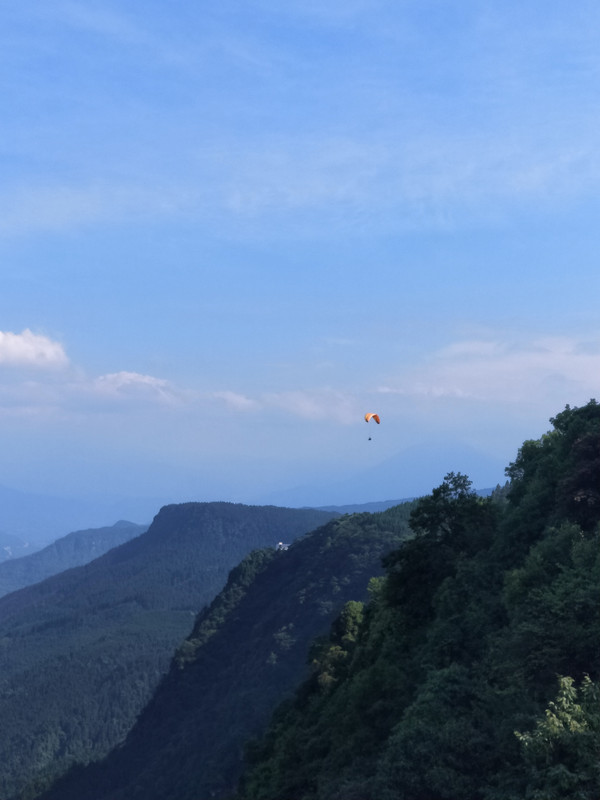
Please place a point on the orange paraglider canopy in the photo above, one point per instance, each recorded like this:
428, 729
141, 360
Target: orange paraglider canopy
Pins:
369, 417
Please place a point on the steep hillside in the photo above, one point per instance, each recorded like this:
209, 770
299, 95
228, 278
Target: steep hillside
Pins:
245, 653
473, 674
73, 550
81, 652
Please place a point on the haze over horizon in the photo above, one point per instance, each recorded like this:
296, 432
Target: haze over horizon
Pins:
226, 233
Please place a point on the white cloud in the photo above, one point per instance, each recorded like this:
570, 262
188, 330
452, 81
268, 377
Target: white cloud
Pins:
317, 405
133, 385
559, 370
73, 395
545, 372
30, 349
236, 401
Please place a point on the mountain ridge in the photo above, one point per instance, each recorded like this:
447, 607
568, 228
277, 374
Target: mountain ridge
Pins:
73, 550
121, 615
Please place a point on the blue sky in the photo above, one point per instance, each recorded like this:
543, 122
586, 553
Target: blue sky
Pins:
228, 231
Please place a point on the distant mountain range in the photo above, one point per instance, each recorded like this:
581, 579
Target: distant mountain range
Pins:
382, 505
73, 550
82, 651
414, 472
37, 519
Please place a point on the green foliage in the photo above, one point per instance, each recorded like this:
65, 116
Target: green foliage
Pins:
430, 753
553, 478
330, 658
459, 646
446, 511
562, 754
211, 619
553, 603
452, 524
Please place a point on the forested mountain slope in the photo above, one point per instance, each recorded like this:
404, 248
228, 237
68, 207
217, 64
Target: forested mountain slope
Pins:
473, 673
245, 653
73, 550
81, 652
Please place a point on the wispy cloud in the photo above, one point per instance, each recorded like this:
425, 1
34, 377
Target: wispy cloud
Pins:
133, 386
316, 405
30, 389
495, 371
385, 141
236, 401
64, 206
115, 26
376, 184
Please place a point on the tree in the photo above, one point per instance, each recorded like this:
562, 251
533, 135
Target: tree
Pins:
442, 744
449, 524
562, 754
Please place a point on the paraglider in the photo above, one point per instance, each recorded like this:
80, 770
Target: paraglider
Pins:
369, 416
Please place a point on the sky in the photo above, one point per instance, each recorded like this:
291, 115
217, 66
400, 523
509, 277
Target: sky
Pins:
229, 230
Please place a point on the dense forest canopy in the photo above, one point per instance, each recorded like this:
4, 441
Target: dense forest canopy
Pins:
473, 672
